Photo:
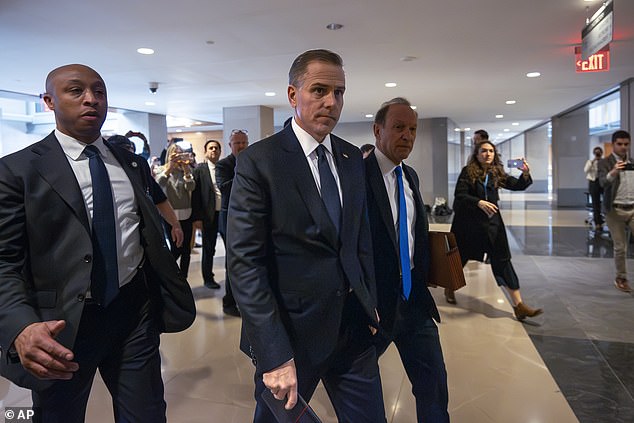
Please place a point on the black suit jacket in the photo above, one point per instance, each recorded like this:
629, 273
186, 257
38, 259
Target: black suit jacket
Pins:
204, 195
386, 249
46, 249
289, 270
225, 172
609, 187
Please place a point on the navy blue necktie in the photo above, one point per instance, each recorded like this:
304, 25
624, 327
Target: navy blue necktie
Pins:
329, 190
403, 239
105, 272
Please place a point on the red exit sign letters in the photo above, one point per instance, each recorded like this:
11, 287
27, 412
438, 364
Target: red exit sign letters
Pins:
598, 62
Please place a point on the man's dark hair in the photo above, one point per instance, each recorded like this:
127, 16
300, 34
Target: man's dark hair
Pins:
217, 142
484, 135
123, 142
620, 134
300, 64
366, 148
379, 117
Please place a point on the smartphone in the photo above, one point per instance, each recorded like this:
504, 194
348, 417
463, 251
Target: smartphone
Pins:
515, 163
629, 166
301, 413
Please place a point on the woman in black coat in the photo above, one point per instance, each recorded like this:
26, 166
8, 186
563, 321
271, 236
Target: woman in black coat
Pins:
478, 225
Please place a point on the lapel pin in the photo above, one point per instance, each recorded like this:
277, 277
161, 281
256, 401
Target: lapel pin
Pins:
134, 164
344, 155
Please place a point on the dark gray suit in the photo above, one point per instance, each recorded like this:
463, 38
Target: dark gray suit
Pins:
304, 292
204, 209
46, 257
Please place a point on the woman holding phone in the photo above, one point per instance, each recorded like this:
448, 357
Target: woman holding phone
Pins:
478, 225
177, 181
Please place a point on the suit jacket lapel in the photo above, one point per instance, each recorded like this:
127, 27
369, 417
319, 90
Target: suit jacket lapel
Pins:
297, 164
53, 166
380, 193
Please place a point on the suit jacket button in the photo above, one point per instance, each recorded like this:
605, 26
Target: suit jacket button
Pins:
340, 292
81, 298
87, 258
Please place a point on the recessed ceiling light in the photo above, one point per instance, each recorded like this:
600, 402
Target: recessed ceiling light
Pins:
506, 130
510, 101
270, 94
467, 129
515, 124
145, 50
499, 135
533, 74
457, 129
179, 130
198, 123
369, 115
413, 107
390, 84
210, 42
499, 116
334, 26
150, 103
408, 58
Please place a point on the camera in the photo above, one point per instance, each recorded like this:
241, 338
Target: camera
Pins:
628, 166
154, 87
515, 163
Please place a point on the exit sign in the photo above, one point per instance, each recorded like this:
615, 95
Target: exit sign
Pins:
598, 62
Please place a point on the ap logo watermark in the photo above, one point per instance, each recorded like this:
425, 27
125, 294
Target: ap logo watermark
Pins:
18, 415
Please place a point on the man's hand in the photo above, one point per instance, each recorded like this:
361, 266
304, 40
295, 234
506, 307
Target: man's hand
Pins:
489, 208
177, 235
282, 381
41, 354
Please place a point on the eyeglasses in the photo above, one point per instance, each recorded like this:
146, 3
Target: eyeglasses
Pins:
239, 131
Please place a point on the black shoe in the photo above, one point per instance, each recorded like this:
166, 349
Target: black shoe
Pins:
212, 284
231, 311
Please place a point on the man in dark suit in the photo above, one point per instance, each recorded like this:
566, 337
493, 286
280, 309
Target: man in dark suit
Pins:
206, 200
617, 180
86, 279
401, 259
225, 172
300, 257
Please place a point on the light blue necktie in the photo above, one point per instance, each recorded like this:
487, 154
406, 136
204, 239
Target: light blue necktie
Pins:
105, 272
403, 244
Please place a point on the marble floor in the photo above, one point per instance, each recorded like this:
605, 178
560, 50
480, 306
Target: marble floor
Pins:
572, 364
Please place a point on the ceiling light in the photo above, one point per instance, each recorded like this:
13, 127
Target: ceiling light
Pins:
145, 50
210, 42
269, 94
499, 135
506, 130
150, 103
515, 124
467, 129
369, 115
179, 130
334, 26
408, 58
499, 116
533, 74
510, 102
457, 129
390, 84
198, 123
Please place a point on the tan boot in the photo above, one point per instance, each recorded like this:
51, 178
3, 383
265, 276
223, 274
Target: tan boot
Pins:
522, 311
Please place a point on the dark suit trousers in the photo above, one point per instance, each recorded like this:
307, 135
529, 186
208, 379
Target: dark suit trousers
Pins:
227, 300
351, 374
416, 338
210, 235
594, 187
122, 341
184, 252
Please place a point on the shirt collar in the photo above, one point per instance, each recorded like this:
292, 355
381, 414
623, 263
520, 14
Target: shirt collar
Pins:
386, 165
308, 143
73, 148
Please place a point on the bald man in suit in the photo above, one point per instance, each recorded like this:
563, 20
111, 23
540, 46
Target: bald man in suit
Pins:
86, 279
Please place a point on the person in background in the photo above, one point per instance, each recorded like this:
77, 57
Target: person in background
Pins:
401, 260
300, 259
206, 202
366, 149
177, 182
480, 135
145, 153
87, 284
225, 172
591, 169
616, 176
478, 225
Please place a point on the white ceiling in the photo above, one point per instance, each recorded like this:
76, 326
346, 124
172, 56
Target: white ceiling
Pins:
472, 54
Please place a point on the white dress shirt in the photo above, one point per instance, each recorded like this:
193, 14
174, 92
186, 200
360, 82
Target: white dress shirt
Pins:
129, 250
217, 194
